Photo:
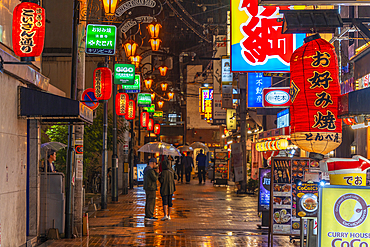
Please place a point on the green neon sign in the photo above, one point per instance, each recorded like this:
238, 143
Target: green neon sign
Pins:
124, 74
101, 39
133, 88
150, 109
144, 99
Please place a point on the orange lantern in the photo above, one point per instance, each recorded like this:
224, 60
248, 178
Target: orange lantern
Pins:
314, 89
102, 83
155, 43
28, 29
148, 83
160, 104
135, 60
349, 121
150, 125
131, 110
163, 70
144, 119
152, 95
109, 6
164, 86
121, 104
170, 95
157, 129
130, 48
153, 29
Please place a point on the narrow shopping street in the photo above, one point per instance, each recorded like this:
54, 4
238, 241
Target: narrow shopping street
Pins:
203, 215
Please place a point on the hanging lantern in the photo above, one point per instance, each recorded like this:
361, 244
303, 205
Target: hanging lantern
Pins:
314, 89
135, 60
150, 125
160, 104
28, 29
157, 129
152, 95
131, 110
155, 43
148, 83
170, 95
163, 70
164, 86
153, 29
109, 6
130, 48
102, 83
282, 144
144, 119
121, 104
349, 121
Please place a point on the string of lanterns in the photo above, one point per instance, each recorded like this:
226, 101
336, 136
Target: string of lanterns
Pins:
281, 144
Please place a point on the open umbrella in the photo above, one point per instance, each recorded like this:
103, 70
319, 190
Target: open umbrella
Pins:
185, 148
161, 148
50, 145
195, 145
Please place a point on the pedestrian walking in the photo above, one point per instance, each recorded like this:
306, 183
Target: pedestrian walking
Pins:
167, 180
201, 162
188, 165
179, 169
150, 187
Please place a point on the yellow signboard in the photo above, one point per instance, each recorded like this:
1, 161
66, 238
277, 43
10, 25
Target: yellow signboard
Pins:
343, 216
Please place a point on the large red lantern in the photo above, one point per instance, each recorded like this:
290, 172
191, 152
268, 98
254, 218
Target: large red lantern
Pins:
28, 29
102, 83
157, 129
131, 110
144, 119
314, 89
150, 125
121, 104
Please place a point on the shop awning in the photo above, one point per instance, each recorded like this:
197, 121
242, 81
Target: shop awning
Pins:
50, 108
355, 103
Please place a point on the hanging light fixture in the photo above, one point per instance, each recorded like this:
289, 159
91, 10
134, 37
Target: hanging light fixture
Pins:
163, 70
130, 48
150, 125
155, 43
164, 86
121, 103
109, 6
160, 104
153, 96
102, 79
135, 60
157, 129
148, 83
153, 29
170, 95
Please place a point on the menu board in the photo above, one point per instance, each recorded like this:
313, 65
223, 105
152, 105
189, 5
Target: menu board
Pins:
264, 189
221, 165
307, 199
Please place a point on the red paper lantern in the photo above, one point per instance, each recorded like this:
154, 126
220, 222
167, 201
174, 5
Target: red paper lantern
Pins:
102, 83
28, 29
157, 129
144, 119
150, 125
131, 110
314, 89
121, 104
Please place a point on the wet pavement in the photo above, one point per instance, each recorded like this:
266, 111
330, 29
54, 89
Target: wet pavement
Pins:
202, 215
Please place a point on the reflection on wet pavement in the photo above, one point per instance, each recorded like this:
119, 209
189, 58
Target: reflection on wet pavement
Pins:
203, 215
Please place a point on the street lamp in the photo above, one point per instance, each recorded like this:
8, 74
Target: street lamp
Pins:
164, 86
130, 48
170, 95
153, 29
163, 70
160, 104
109, 6
135, 60
152, 96
155, 43
148, 83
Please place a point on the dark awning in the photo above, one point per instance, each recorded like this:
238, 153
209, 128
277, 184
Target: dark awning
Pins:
355, 103
50, 108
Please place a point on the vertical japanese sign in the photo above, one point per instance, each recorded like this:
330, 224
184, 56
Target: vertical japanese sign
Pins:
219, 114
133, 88
101, 39
256, 83
237, 159
207, 102
124, 74
344, 216
231, 119
226, 75
257, 43
264, 189
220, 46
227, 96
140, 172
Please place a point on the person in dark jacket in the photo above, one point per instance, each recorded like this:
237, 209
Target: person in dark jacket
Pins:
188, 165
150, 187
167, 180
179, 169
201, 159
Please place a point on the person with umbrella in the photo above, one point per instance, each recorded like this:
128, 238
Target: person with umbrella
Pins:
52, 156
150, 187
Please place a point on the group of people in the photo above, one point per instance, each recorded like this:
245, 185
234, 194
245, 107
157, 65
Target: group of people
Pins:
167, 176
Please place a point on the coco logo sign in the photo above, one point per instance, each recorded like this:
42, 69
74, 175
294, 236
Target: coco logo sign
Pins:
276, 97
359, 212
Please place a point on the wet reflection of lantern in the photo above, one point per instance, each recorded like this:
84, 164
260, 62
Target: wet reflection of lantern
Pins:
157, 129
102, 83
144, 119
314, 90
131, 110
121, 104
150, 125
